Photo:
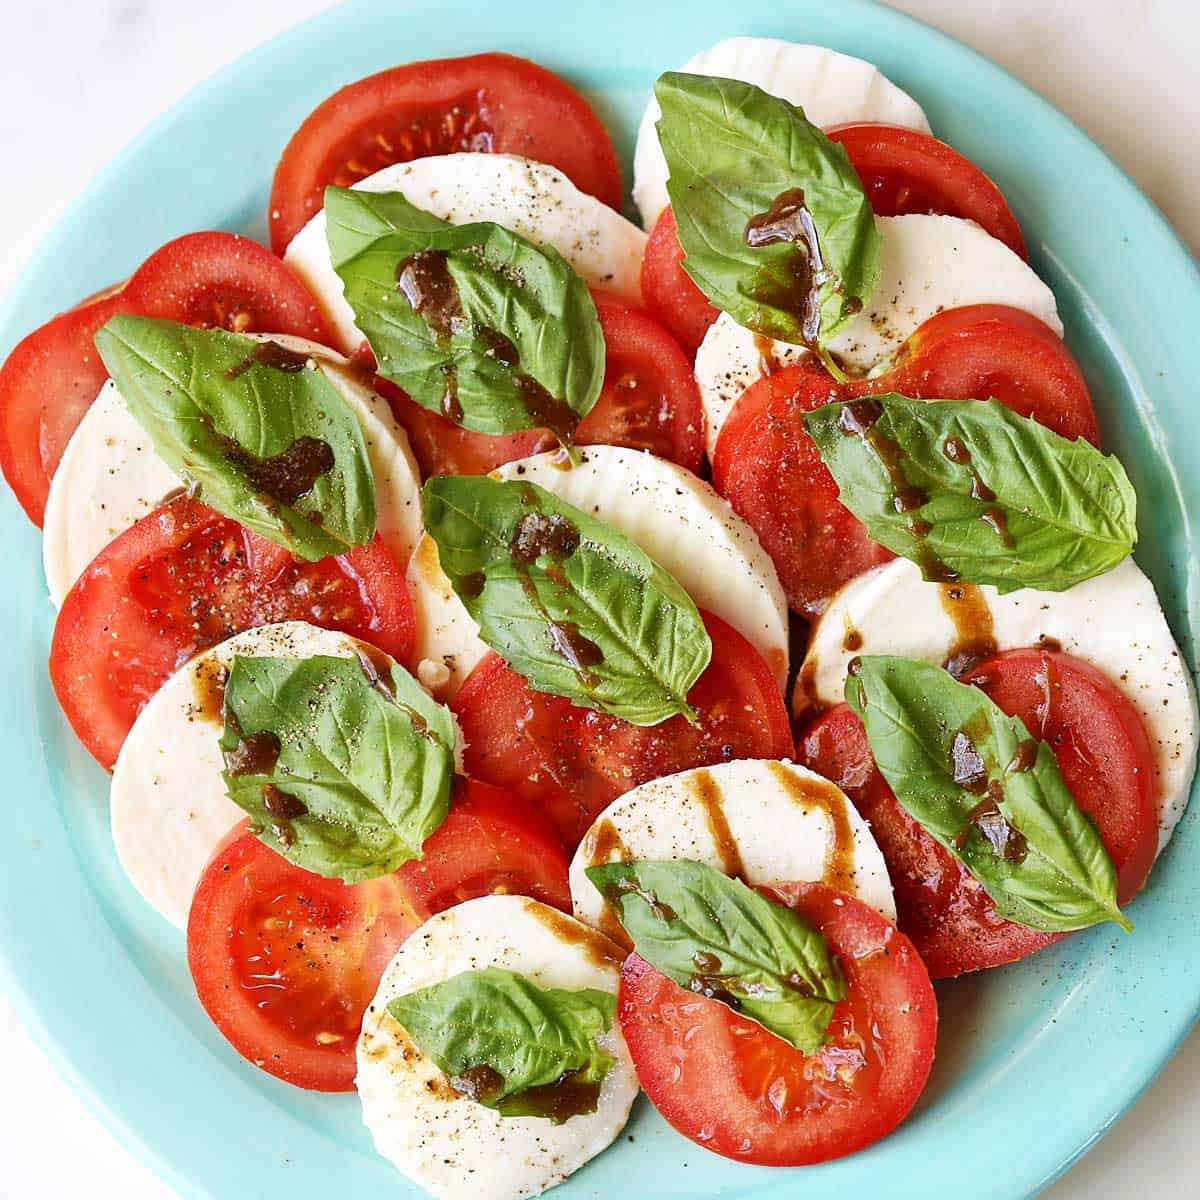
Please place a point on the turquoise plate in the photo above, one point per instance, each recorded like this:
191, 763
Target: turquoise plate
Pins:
1035, 1061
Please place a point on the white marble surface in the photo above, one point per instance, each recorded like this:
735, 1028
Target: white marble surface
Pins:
81, 77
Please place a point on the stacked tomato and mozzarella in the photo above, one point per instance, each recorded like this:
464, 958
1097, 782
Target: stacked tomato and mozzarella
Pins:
159, 594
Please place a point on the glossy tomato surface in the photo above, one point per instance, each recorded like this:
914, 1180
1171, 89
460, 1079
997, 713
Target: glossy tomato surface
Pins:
729, 1085
572, 762
184, 578
213, 280
484, 102
1106, 760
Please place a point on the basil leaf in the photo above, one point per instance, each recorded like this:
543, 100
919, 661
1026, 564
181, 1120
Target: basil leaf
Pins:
504, 335
566, 600
505, 1042
719, 938
968, 489
257, 433
983, 788
746, 166
343, 771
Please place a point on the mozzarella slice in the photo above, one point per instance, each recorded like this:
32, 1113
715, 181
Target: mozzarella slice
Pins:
762, 821
110, 477
927, 264
446, 1143
535, 200
832, 88
677, 518
1114, 622
168, 804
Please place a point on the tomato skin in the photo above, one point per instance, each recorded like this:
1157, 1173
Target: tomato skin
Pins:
771, 472
571, 762
941, 906
649, 401
52, 376
285, 962
481, 102
906, 171
723, 1081
184, 578
668, 291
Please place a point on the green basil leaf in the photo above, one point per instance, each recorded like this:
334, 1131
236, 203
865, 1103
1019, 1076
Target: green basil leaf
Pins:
505, 1042
983, 788
250, 427
745, 165
566, 600
719, 938
968, 489
343, 771
504, 335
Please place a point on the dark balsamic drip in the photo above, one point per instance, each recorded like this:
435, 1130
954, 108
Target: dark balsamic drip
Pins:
1024, 758
568, 1096
708, 795
955, 449
287, 476
425, 281
853, 640
974, 639
377, 668
1007, 842
285, 808
767, 362
208, 689
254, 754
480, 1083
273, 355
539, 533
980, 490
607, 846
789, 221
996, 519
598, 947
616, 891
967, 765
471, 585
814, 795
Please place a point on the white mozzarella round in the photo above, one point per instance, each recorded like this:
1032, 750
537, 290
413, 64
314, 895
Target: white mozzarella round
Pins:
927, 264
1114, 622
674, 516
168, 803
453, 1147
832, 88
765, 821
533, 199
110, 477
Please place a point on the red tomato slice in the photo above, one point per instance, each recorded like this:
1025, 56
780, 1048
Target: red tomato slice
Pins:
184, 578
572, 762
492, 842
285, 962
489, 102
1105, 757
902, 170
649, 402
52, 376
729, 1085
905, 171
770, 471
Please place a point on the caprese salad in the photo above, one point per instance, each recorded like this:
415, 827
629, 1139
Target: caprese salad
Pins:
538, 661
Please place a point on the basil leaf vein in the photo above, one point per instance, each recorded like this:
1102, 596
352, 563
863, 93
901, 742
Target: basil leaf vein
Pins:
733, 152
505, 335
719, 938
261, 437
969, 489
988, 792
512, 1045
568, 601
343, 774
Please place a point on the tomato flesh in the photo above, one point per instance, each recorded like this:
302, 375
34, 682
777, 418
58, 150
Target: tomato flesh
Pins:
572, 762
482, 102
1106, 760
729, 1085
286, 962
649, 401
668, 291
51, 378
184, 578
771, 472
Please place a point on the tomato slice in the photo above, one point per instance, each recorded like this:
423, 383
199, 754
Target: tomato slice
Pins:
906, 171
285, 962
1105, 757
52, 376
491, 842
184, 578
903, 171
770, 471
483, 102
729, 1085
649, 401
572, 762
